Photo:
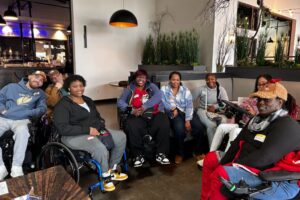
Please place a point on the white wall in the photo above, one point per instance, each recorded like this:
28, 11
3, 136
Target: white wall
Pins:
111, 52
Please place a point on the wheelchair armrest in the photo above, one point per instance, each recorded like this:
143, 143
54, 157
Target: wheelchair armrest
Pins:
280, 175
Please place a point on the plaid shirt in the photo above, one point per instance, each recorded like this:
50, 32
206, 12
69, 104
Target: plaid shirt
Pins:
182, 101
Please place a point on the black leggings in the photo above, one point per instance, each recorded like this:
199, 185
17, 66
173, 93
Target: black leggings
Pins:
158, 127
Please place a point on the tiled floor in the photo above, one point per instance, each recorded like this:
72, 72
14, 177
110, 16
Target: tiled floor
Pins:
176, 182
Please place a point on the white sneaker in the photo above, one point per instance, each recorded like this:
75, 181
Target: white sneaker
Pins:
16, 171
3, 172
200, 162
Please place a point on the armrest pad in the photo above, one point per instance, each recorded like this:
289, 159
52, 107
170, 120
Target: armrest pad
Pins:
281, 175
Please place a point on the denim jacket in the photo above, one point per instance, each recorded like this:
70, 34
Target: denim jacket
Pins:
182, 101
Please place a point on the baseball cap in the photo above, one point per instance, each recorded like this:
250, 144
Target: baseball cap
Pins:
53, 72
41, 73
271, 91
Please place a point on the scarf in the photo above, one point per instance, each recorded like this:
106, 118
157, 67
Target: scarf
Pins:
258, 123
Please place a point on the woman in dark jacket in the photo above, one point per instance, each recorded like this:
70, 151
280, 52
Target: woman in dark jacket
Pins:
145, 97
82, 128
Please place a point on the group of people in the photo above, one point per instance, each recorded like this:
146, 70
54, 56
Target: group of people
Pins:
156, 112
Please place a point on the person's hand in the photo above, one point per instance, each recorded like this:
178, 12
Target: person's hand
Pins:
58, 85
188, 126
211, 108
175, 113
251, 110
94, 131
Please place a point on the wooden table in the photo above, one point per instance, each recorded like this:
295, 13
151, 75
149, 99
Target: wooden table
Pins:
53, 183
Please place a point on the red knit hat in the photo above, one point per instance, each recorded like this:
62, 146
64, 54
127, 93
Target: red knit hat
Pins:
141, 72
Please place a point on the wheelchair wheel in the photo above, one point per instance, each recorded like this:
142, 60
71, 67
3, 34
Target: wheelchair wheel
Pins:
55, 153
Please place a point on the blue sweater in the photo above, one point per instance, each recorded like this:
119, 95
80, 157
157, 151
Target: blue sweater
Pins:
153, 91
18, 102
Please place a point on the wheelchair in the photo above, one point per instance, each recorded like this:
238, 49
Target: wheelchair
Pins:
56, 153
34, 145
148, 141
242, 191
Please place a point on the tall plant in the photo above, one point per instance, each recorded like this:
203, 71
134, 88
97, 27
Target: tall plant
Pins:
148, 52
180, 48
279, 53
261, 49
242, 43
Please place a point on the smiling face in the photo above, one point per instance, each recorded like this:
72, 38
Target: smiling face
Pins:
175, 81
211, 82
268, 106
261, 83
35, 81
56, 77
141, 80
76, 89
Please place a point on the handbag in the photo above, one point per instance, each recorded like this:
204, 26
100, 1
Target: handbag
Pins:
106, 139
214, 117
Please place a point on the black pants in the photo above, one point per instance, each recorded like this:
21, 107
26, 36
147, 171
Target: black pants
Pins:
198, 133
158, 127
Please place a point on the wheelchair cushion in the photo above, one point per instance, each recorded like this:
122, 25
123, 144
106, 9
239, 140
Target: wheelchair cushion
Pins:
280, 175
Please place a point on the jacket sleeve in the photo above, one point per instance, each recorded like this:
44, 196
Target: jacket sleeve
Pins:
155, 99
62, 121
165, 99
223, 94
283, 138
53, 96
3, 98
122, 101
40, 108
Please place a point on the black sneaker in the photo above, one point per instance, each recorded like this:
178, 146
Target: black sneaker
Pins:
138, 161
162, 159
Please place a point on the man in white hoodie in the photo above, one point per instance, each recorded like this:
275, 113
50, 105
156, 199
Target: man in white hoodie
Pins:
209, 98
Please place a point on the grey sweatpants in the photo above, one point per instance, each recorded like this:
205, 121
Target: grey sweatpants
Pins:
21, 135
97, 149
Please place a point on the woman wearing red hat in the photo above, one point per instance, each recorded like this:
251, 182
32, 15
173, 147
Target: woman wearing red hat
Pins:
146, 118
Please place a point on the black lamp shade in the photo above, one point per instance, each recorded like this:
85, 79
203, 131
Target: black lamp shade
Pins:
2, 21
10, 14
123, 18
69, 29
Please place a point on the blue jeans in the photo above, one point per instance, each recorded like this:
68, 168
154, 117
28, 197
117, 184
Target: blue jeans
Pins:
280, 190
198, 133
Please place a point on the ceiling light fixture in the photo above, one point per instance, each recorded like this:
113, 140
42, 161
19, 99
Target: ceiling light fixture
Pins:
2, 21
123, 18
10, 14
69, 29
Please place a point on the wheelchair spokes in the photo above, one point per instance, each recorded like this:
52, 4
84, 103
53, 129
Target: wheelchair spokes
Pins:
55, 153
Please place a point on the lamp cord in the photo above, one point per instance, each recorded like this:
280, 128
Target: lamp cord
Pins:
123, 4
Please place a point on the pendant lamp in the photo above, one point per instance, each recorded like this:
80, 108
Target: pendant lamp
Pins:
123, 18
2, 21
10, 14
69, 29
